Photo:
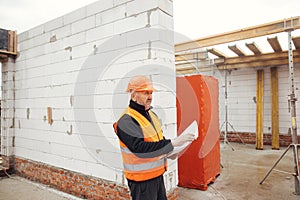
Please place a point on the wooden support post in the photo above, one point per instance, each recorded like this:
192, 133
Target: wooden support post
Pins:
260, 109
274, 107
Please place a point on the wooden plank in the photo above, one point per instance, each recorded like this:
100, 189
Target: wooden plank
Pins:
269, 59
216, 52
15, 42
274, 107
241, 34
7, 52
255, 58
260, 110
275, 44
296, 41
254, 48
266, 63
204, 63
236, 50
10, 41
191, 56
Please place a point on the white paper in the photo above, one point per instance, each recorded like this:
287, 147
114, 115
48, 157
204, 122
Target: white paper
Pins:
192, 128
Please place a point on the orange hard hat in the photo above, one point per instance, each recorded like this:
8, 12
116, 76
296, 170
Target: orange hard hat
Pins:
140, 83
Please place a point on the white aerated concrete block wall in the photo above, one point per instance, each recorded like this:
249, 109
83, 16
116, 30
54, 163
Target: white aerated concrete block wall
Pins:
70, 81
7, 109
241, 92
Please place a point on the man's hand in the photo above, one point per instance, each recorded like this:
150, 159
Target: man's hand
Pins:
180, 140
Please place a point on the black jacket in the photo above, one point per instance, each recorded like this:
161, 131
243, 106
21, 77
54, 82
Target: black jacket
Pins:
130, 133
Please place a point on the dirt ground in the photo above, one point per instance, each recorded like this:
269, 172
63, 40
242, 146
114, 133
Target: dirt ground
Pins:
243, 169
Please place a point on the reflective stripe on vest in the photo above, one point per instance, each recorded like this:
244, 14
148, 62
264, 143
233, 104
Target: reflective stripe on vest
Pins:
140, 169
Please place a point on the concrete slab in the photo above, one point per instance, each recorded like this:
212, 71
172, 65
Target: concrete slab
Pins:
243, 170
15, 188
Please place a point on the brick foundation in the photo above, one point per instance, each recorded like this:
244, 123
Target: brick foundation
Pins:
74, 183
250, 138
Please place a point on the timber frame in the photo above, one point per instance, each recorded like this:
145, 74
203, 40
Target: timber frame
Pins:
188, 61
192, 57
11, 51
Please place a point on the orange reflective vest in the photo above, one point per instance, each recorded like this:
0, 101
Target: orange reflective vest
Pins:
141, 169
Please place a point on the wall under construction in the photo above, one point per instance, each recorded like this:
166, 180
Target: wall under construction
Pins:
242, 100
67, 87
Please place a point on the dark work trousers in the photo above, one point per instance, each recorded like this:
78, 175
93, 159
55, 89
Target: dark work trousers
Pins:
153, 189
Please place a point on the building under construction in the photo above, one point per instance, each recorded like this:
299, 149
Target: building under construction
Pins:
63, 86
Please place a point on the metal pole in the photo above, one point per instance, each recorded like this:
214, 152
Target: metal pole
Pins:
226, 109
293, 100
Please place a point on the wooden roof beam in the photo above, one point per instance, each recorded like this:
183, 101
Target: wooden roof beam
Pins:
241, 34
253, 58
275, 44
191, 56
254, 48
296, 41
216, 53
236, 50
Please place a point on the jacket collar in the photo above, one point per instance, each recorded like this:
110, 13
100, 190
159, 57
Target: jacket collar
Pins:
140, 109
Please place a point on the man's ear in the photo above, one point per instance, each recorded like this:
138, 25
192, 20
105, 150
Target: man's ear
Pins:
133, 96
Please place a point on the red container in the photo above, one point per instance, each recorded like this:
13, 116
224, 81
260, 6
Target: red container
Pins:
198, 99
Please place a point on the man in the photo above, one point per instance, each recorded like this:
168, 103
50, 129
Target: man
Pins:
143, 146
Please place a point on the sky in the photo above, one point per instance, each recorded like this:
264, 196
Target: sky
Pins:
192, 18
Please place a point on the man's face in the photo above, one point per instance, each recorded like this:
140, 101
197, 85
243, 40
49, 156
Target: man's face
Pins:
143, 98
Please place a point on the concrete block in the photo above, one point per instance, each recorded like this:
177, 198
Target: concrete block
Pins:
111, 173
167, 115
65, 139
131, 23
111, 15
39, 40
53, 47
137, 7
23, 36
83, 24
35, 145
83, 102
108, 132
83, 50
74, 16
83, 89
21, 57
110, 47
62, 32
99, 6
54, 24
75, 40
104, 115
166, 6
80, 153
110, 71
164, 99
100, 32
142, 36
119, 2
170, 130
104, 87
22, 46
35, 51
60, 56
38, 30
158, 17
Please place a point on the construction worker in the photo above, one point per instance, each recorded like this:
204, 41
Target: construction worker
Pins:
142, 143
